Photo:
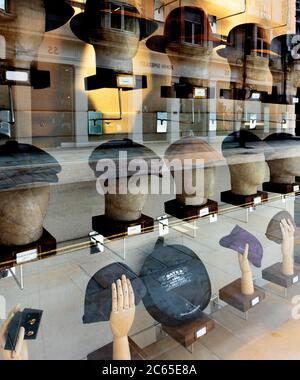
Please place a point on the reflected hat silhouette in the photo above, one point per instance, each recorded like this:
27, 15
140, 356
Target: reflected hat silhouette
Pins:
86, 24
248, 38
283, 46
176, 29
58, 13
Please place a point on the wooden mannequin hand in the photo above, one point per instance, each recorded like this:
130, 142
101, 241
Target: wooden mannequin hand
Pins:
123, 307
288, 236
243, 260
21, 351
287, 247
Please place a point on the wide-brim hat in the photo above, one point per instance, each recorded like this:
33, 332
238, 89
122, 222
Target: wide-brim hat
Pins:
83, 23
175, 24
25, 164
98, 295
237, 240
58, 13
123, 153
273, 232
177, 283
247, 33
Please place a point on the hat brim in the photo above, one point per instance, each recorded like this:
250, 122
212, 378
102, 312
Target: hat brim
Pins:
228, 50
81, 23
159, 43
58, 13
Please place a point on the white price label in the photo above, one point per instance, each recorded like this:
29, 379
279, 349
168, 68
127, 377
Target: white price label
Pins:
135, 230
255, 301
296, 188
283, 198
212, 125
204, 212
295, 100
251, 209
200, 92
126, 81
201, 332
295, 279
257, 201
163, 227
213, 218
24, 257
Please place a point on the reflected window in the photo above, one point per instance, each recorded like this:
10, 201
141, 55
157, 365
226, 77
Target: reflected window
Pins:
121, 17
3, 5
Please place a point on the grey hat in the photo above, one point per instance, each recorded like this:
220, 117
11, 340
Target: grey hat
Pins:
273, 232
98, 302
177, 282
23, 164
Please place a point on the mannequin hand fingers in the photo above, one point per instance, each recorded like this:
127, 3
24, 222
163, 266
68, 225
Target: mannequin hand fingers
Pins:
114, 297
120, 296
283, 231
131, 295
246, 252
125, 292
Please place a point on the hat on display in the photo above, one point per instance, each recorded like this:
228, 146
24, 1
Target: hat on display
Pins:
241, 142
237, 241
124, 153
98, 298
283, 46
273, 232
282, 145
23, 164
177, 283
248, 38
58, 13
193, 148
85, 24
175, 29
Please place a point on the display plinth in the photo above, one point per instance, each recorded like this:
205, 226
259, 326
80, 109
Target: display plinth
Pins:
106, 352
281, 188
113, 229
231, 294
44, 247
183, 212
274, 274
190, 332
244, 200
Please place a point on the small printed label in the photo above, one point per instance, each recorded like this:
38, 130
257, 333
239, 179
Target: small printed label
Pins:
135, 230
283, 199
256, 95
125, 81
200, 92
295, 279
255, 301
204, 212
163, 227
295, 100
296, 188
251, 209
257, 200
212, 125
201, 332
213, 218
24, 257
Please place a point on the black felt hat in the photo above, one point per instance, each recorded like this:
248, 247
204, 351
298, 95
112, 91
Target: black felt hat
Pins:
98, 300
175, 29
85, 24
23, 164
249, 38
113, 150
58, 13
273, 232
240, 142
177, 283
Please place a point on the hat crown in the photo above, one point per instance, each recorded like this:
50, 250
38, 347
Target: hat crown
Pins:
183, 21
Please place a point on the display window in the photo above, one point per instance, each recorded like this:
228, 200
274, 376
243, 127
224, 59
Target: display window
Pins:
149, 180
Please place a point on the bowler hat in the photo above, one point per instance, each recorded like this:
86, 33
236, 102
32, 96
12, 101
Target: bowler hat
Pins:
98, 299
237, 241
23, 164
175, 29
273, 232
58, 12
248, 38
85, 23
177, 283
